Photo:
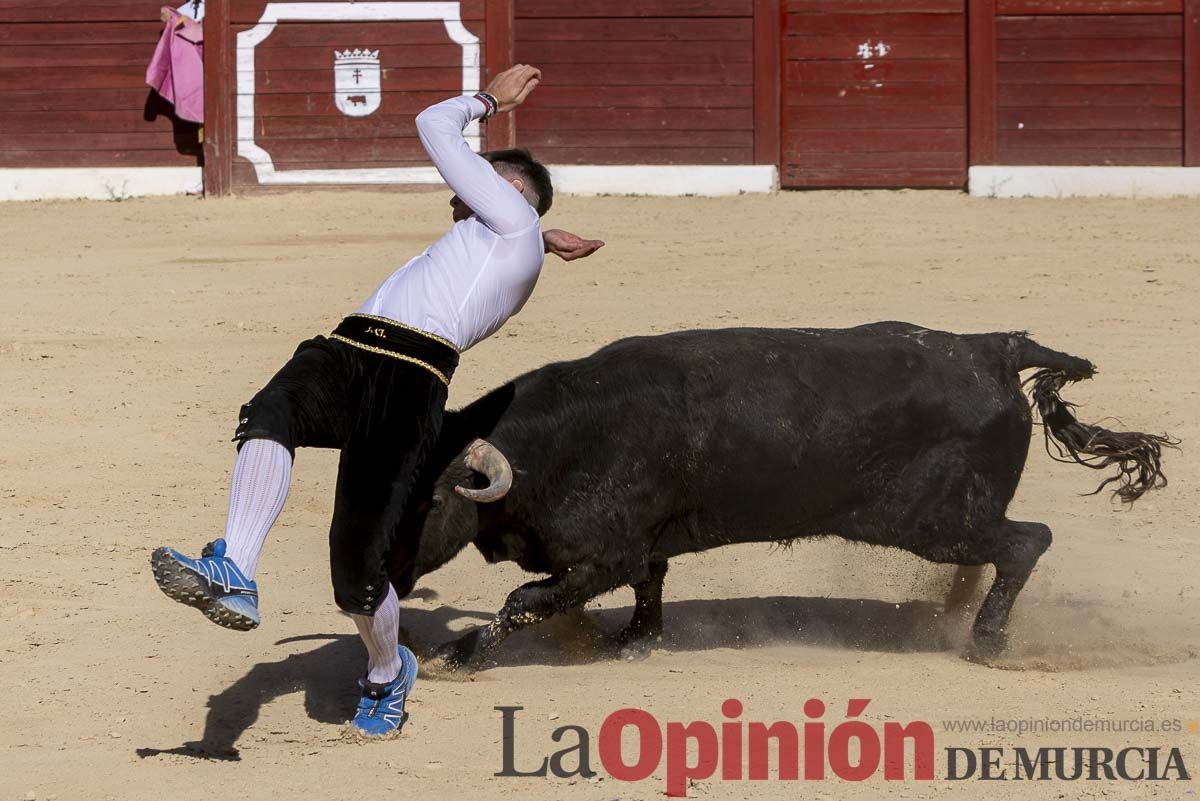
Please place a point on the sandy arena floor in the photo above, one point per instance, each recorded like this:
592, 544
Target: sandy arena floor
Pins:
132, 332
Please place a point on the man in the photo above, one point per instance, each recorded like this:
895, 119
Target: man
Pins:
376, 389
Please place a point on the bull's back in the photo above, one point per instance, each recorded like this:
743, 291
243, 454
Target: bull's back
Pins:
736, 435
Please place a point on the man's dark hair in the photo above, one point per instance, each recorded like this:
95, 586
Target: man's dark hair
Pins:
537, 178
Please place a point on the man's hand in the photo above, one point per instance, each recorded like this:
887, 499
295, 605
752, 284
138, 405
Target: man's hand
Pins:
511, 87
567, 246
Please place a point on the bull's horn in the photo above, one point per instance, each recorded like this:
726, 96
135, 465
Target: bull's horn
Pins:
484, 457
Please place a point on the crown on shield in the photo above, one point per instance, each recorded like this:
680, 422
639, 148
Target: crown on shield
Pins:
356, 56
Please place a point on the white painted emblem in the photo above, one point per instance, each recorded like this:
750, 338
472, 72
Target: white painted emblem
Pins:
444, 11
869, 49
356, 82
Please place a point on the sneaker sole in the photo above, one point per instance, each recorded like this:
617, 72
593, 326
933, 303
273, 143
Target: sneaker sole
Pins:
183, 585
351, 733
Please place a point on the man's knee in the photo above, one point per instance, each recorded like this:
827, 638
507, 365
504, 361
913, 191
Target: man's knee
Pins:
264, 418
357, 590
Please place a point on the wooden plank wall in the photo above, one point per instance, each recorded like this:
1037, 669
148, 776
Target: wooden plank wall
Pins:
875, 93
73, 87
1089, 89
1191, 83
638, 81
295, 117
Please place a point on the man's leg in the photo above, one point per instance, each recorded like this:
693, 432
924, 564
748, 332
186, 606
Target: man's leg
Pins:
303, 405
261, 475
358, 555
391, 671
378, 466
380, 633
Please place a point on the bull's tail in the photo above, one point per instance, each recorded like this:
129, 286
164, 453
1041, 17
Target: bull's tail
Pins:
1026, 354
1137, 456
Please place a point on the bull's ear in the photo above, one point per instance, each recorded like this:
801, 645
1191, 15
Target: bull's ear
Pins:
483, 457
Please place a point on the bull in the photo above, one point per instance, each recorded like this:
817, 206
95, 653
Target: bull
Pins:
597, 471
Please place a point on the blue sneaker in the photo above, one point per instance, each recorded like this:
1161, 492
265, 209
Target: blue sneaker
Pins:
381, 708
213, 584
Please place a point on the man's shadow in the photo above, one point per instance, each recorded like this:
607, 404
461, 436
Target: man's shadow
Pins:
325, 673
186, 134
321, 673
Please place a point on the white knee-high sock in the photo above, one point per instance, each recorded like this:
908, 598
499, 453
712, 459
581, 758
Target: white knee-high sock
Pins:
380, 633
261, 476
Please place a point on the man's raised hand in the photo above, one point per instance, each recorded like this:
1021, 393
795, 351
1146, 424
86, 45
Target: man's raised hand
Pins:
511, 87
568, 246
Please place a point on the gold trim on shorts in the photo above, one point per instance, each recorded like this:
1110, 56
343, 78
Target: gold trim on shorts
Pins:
412, 328
438, 373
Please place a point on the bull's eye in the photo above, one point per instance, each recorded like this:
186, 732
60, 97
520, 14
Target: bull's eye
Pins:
437, 501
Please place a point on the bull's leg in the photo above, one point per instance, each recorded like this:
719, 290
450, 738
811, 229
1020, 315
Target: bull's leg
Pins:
1016, 547
647, 624
967, 579
530, 603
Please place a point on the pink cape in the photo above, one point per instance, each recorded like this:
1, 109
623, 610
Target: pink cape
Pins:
177, 69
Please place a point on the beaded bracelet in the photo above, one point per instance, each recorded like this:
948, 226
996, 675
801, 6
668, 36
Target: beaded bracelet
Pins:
489, 102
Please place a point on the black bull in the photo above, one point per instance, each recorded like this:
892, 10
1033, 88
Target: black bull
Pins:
888, 434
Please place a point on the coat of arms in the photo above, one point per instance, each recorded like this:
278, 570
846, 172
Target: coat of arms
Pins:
356, 82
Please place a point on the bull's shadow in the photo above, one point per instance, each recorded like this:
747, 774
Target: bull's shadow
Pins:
698, 625
326, 674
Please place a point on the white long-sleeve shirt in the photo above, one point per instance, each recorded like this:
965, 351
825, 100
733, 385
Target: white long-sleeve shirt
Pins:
468, 283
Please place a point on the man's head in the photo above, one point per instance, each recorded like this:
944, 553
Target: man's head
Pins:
529, 176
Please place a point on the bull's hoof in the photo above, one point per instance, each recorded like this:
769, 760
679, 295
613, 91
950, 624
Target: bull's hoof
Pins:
986, 647
460, 655
633, 645
636, 650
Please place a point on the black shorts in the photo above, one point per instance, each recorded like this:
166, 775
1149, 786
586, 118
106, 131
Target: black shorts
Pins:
361, 391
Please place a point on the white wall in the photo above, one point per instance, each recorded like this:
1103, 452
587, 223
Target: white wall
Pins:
1131, 182
98, 183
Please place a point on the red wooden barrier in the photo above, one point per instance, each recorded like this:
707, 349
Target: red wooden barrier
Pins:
220, 147
652, 82
1073, 7
1050, 114
501, 131
875, 93
73, 88
1191, 83
782, 82
768, 78
309, 124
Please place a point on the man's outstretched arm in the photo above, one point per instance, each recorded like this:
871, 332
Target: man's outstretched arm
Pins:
490, 196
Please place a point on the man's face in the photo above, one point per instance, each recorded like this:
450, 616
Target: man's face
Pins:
460, 210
